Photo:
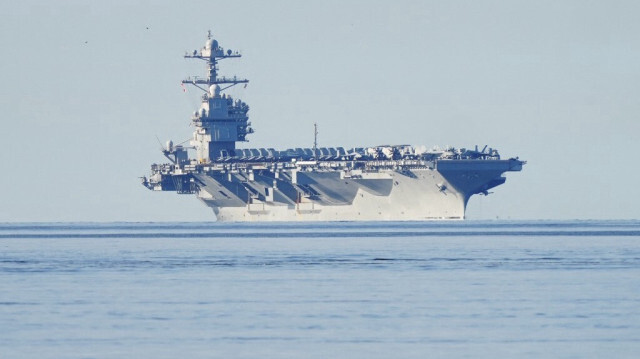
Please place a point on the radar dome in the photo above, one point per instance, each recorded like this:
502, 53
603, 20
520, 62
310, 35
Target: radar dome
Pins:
214, 90
211, 44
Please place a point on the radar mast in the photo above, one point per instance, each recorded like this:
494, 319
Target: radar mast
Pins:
220, 121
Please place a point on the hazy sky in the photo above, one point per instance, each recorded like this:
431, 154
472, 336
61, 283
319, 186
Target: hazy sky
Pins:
86, 87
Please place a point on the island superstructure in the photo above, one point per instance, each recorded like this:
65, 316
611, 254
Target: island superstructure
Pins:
387, 182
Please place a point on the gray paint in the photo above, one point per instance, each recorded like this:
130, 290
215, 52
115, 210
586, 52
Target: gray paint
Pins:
365, 183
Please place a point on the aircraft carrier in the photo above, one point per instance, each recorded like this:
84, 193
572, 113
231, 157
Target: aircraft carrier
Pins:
387, 182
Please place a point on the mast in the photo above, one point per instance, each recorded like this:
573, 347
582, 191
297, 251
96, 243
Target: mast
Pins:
212, 53
220, 121
315, 141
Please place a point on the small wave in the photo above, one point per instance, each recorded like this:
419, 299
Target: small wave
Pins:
325, 234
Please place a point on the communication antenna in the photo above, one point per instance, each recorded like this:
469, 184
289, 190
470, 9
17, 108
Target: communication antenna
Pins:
315, 141
160, 143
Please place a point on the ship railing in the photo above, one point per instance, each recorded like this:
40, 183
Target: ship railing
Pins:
220, 80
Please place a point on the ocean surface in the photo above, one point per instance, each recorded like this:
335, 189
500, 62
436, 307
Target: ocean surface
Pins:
496, 289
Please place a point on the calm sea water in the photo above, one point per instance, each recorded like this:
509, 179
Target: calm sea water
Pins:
331, 290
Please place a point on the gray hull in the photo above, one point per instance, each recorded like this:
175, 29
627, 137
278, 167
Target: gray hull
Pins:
336, 195
386, 182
